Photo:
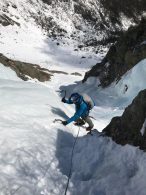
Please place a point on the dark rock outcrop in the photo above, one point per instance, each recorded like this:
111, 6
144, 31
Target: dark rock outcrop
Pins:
26, 70
126, 53
129, 8
6, 21
76, 74
126, 129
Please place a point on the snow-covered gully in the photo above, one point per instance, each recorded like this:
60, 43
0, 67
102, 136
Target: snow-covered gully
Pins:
35, 153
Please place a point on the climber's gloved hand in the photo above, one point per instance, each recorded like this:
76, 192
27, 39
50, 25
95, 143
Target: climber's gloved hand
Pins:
63, 99
64, 123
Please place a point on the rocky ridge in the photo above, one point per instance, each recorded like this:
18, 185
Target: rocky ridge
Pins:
25, 71
130, 128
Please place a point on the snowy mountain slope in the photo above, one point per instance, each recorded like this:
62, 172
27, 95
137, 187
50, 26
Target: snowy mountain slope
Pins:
35, 152
88, 24
26, 143
29, 44
26, 41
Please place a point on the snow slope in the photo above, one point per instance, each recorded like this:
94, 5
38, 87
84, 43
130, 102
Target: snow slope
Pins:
86, 23
30, 44
35, 152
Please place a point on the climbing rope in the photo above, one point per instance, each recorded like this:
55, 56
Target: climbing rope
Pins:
71, 161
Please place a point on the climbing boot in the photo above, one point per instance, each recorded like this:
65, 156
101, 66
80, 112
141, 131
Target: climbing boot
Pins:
88, 128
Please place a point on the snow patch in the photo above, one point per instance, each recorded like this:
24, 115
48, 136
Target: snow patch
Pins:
7, 73
143, 128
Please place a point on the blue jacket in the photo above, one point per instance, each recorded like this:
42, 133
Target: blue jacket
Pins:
81, 110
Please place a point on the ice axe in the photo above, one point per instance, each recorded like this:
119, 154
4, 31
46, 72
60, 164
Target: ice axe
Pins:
58, 120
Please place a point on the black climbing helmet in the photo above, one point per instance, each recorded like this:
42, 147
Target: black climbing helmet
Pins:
75, 97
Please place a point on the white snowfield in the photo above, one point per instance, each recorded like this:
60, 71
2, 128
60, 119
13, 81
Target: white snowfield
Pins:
35, 152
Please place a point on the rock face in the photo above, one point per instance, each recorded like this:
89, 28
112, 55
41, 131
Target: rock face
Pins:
26, 70
122, 56
129, 8
127, 128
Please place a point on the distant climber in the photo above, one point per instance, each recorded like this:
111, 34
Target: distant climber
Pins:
83, 105
125, 88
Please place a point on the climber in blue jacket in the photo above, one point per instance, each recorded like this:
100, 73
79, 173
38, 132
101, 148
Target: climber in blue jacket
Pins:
82, 111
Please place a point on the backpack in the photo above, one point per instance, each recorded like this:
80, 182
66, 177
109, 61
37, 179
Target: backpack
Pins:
88, 100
